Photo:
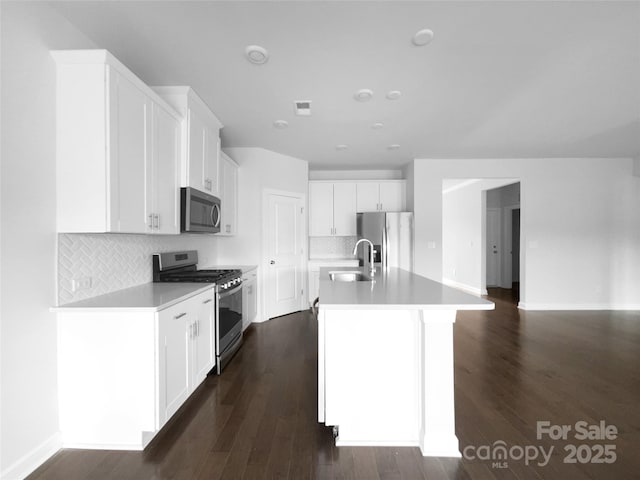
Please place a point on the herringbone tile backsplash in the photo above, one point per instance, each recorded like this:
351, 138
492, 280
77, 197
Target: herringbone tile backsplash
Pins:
115, 261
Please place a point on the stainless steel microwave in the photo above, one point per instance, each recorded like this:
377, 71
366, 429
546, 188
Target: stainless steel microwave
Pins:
199, 211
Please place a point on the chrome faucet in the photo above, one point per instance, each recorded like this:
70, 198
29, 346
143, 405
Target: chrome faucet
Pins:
372, 268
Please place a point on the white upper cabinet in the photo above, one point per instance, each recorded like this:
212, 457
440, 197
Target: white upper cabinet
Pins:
381, 196
393, 196
320, 209
332, 208
344, 209
130, 119
228, 195
367, 197
117, 149
201, 133
165, 169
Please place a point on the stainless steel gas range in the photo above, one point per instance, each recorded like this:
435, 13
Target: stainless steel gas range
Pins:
182, 267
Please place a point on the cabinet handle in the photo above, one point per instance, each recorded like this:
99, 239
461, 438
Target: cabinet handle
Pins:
197, 328
156, 221
179, 316
151, 221
191, 331
208, 301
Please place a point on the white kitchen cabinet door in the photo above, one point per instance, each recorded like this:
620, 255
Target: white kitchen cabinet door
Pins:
314, 284
166, 157
200, 157
203, 337
211, 160
367, 197
320, 209
130, 133
174, 353
195, 166
249, 298
344, 209
228, 195
392, 196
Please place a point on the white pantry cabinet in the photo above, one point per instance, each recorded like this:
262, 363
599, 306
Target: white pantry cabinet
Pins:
228, 195
249, 297
124, 372
118, 149
200, 165
332, 208
381, 196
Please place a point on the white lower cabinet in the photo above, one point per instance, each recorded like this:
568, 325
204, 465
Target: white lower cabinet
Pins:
123, 374
203, 338
173, 354
249, 297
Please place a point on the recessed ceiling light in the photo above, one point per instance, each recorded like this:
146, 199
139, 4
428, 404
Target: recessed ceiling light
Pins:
363, 95
422, 37
394, 94
341, 147
256, 54
395, 146
377, 126
281, 124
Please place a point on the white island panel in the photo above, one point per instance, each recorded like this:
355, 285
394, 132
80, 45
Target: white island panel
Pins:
385, 360
364, 382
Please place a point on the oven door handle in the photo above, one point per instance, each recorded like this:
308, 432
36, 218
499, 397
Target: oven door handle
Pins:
230, 292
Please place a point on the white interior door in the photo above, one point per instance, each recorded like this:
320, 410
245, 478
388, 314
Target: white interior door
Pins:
493, 247
285, 252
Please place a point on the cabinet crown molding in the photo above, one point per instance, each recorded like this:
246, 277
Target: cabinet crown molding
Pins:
182, 97
104, 57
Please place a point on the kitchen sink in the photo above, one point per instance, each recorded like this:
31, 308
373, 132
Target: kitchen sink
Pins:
348, 276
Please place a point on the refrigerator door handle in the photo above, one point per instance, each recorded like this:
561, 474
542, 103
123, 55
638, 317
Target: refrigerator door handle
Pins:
385, 248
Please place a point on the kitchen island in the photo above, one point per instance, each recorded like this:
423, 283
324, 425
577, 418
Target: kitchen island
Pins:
385, 359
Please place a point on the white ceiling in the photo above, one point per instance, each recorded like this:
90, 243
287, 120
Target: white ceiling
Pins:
500, 79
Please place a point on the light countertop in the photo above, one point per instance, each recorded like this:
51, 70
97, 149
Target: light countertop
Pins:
147, 297
395, 289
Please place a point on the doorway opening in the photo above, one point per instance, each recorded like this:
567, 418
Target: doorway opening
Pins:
503, 239
481, 234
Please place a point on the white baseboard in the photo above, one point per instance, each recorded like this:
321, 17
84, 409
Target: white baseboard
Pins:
577, 306
374, 443
33, 459
466, 288
439, 445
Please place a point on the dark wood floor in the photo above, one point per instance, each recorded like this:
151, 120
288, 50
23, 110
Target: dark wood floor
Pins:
513, 368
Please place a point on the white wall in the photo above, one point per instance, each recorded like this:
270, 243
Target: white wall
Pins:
580, 226
29, 408
355, 175
463, 233
260, 169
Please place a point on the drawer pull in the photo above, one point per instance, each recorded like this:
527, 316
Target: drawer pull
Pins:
208, 301
179, 316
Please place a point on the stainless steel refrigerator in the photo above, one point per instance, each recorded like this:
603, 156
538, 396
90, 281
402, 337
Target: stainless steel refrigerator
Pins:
392, 236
